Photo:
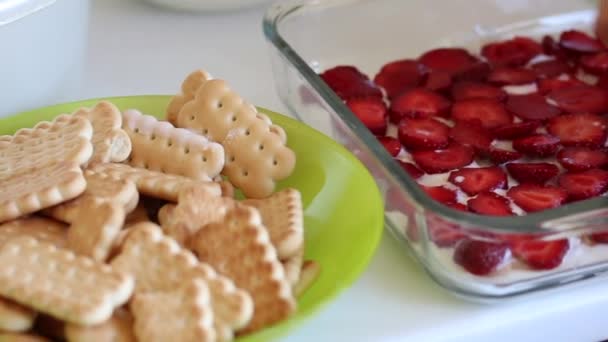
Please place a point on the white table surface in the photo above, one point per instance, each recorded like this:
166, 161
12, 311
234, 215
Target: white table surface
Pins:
138, 49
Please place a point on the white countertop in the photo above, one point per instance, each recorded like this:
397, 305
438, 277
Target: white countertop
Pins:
138, 49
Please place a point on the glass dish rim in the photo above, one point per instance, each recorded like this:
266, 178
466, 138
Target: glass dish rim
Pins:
541, 223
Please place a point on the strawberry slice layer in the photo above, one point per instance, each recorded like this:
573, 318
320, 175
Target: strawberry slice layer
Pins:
584, 184
411, 169
538, 254
513, 52
535, 173
531, 107
580, 99
472, 135
348, 82
423, 134
453, 157
477, 90
579, 42
511, 76
437, 80
372, 113
489, 203
475, 180
440, 194
595, 64
551, 68
450, 60
516, 130
392, 145
532, 197
499, 156
398, 76
547, 85
579, 130
418, 103
581, 158
488, 113
479, 257
537, 145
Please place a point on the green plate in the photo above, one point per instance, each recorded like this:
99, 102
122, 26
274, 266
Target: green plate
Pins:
343, 207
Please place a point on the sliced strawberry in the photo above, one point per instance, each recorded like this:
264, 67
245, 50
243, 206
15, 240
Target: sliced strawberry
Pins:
514, 52
552, 48
490, 114
471, 134
398, 76
538, 254
440, 194
579, 129
372, 113
536, 173
444, 235
498, 156
551, 68
580, 99
579, 42
516, 130
537, 145
602, 81
581, 158
595, 64
473, 180
418, 102
532, 197
423, 134
392, 145
477, 72
477, 90
547, 85
584, 184
480, 257
453, 157
531, 107
411, 169
451, 60
348, 82
599, 237
489, 203
511, 76
458, 206
438, 80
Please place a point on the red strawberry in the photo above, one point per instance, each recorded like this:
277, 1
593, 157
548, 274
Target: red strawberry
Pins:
477, 90
440, 194
580, 99
538, 254
490, 114
537, 145
551, 68
599, 237
581, 158
451, 60
423, 134
515, 52
532, 197
516, 130
397, 76
507, 76
471, 134
475, 180
547, 85
458, 206
371, 111
479, 257
453, 157
418, 102
602, 81
595, 64
477, 72
536, 173
579, 42
392, 145
498, 156
489, 203
411, 169
585, 184
348, 82
438, 80
531, 107
445, 235
552, 48
579, 130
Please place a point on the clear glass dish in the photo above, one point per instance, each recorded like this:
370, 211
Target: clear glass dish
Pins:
309, 36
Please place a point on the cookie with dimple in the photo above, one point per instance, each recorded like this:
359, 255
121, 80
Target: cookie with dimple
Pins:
250, 261
57, 282
293, 267
21, 337
40, 228
119, 328
15, 317
159, 146
110, 142
182, 314
189, 87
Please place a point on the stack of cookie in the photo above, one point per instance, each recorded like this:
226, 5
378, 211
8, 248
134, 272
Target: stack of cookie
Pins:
120, 227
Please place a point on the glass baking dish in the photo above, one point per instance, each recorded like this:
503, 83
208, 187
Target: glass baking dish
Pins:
308, 36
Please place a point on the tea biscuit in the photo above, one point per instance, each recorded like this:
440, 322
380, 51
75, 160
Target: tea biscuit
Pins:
137, 215
21, 337
110, 142
40, 228
57, 282
250, 261
14, 317
160, 264
283, 216
38, 187
189, 87
66, 138
95, 228
121, 192
293, 267
152, 183
309, 273
183, 314
119, 328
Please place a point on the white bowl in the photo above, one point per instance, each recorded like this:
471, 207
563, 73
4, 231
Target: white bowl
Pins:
207, 5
